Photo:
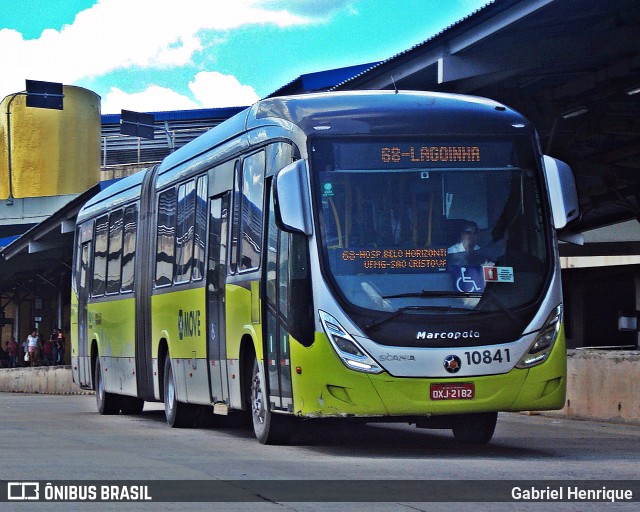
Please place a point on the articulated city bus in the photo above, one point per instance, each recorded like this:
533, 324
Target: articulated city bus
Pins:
376, 256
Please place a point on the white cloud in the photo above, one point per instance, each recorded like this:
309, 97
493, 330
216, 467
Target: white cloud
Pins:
152, 99
213, 89
210, 89
120, 34
309, 7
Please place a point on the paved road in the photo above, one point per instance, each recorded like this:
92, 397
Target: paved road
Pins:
63, 438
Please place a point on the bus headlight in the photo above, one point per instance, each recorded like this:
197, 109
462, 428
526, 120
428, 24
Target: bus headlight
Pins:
351, 354
542, 345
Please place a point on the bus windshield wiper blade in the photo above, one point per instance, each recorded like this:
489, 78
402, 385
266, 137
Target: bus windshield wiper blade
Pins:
492, 297
431, 293
381, 321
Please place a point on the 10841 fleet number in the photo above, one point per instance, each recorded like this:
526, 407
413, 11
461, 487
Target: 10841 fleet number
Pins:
484, 357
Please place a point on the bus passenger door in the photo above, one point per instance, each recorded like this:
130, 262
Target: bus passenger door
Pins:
216, 280
84, 358
276, 343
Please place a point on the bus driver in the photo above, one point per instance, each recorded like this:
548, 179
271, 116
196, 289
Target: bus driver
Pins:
468, 237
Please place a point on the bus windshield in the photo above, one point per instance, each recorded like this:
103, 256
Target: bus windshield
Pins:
431, 225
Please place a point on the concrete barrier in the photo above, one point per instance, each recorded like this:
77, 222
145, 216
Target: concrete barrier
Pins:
601, 385
50, 380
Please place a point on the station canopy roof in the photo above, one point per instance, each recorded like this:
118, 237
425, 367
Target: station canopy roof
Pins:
39, 261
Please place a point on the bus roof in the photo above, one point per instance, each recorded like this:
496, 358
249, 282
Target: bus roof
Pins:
123, 190
385, 112
363, 112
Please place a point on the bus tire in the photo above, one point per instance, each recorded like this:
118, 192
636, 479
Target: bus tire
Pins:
268, 428
107, 403
475, 428
178, 414
131, 405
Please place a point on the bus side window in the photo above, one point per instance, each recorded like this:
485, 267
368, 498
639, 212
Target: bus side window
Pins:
77, 258
114, 259
201, 229
235, 220
283, 274
251, 206
185, 231
279, 155
100, 256
84, 266
165, 240
129, 247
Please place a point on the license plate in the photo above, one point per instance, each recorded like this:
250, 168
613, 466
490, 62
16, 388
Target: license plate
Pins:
457, 391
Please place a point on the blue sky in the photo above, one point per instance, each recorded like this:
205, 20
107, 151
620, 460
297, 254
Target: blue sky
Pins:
153, 55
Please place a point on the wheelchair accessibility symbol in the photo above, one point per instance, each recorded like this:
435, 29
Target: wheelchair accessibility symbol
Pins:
465, 283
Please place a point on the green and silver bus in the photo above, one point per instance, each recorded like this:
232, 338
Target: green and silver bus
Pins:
307, 259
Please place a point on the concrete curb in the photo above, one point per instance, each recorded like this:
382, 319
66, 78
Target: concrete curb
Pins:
47, 380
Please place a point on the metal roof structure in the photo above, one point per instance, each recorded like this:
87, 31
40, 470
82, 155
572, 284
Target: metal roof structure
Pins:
572, 68
173, 128
321, 80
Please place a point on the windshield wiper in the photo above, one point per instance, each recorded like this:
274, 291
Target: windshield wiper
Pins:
431, 293
380, 321
492, 297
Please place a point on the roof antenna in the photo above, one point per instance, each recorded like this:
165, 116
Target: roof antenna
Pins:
394, 84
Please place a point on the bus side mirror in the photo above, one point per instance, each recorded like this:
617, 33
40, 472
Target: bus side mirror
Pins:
300, 317
291, 199
627, 323
562, 191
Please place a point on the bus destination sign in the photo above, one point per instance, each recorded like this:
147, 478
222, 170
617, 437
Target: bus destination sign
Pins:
422, 154
400, 260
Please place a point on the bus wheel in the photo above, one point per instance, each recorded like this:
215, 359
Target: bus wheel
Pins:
269, 428
107, 402
475, 428
178, 414
131, 405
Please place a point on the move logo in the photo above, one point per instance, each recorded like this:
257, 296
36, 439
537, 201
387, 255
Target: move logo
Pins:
189, 324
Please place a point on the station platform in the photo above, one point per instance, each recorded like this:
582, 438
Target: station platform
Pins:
48, 380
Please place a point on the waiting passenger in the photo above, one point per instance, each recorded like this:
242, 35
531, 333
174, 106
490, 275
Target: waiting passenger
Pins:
33, 346
12, 350
47, 352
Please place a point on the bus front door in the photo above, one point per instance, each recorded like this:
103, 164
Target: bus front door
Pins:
216, 279
277, 360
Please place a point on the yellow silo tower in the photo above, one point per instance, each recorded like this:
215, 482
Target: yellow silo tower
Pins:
55, 154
